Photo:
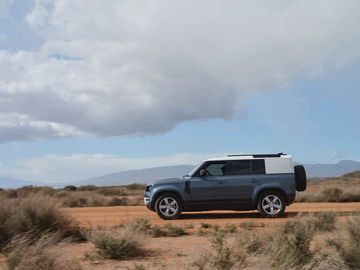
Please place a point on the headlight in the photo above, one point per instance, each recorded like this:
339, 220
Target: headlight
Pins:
148, 188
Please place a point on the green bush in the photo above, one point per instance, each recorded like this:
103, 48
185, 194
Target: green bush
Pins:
118, 245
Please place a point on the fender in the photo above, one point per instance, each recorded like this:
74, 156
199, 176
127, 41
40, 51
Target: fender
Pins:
165, 189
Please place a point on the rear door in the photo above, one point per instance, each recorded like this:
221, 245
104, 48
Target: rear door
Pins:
240, 178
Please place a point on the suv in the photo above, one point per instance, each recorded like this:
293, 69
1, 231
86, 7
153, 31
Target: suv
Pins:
266, 182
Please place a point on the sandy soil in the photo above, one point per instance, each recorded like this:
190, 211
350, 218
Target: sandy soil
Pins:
176, 252
112, 216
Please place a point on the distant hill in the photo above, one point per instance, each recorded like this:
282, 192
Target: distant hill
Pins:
141, 176
14, 183
331, 170
355, 174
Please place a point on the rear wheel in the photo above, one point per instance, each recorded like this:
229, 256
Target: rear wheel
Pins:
168, 206
271, 204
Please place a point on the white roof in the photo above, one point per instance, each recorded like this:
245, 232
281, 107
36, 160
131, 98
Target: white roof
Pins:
250, 156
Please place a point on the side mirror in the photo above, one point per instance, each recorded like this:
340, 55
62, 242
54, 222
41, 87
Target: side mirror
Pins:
204, 173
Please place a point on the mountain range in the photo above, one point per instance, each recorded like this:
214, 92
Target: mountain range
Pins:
143, 176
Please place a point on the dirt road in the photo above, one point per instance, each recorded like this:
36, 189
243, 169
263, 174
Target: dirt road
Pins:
111, 216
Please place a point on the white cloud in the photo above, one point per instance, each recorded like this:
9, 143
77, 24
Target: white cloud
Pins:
138, 68
58, 168
337, 155
2, 36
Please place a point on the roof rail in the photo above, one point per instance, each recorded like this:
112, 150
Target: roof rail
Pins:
259, 155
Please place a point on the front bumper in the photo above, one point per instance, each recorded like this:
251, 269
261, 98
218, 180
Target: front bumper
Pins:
146, 200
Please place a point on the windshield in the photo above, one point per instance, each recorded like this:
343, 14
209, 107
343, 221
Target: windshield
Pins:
195, 169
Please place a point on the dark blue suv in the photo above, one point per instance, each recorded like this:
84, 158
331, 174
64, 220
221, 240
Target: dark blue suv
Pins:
266, 182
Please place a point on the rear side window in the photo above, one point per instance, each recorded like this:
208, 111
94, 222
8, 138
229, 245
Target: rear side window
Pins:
258, 166
238, 167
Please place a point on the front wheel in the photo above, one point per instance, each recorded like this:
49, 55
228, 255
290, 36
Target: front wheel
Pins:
271, 204
168, 206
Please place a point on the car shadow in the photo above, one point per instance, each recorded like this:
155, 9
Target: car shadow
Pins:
247, 215
203, 215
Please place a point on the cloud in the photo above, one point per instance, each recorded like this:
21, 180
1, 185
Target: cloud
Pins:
136, 68
57, 168
337, 155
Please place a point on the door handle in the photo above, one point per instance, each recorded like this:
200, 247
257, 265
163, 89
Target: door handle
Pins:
253, 181
221, 182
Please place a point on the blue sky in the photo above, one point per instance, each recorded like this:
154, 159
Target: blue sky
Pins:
76, 104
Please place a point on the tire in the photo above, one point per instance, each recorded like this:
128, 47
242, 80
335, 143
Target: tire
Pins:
168, 206
271, 204
300, 178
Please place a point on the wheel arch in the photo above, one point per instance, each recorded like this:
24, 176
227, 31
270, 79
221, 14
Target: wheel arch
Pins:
163, 191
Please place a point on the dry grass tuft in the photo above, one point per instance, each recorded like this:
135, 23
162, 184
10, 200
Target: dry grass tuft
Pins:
28, 252
120, 244
37, 214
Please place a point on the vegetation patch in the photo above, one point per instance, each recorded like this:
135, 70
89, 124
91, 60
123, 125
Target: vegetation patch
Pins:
37, 214
119, 244
28, 252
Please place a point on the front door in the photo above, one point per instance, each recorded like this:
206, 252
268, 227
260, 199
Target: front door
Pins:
208, 192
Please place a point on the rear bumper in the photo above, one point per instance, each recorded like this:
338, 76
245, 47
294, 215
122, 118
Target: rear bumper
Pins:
290, 198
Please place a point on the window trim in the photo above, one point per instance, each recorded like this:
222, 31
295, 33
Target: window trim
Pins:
207, 163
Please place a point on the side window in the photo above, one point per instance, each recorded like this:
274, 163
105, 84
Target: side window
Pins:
238, 167
258, 166
215, 169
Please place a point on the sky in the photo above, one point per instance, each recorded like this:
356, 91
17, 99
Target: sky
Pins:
89, 87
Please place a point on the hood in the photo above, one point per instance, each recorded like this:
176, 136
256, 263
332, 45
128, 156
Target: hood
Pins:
165, 181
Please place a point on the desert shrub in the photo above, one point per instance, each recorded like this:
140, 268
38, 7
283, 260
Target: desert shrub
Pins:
112, 191
231, 228
85, 199
205, 225
11, 193
325, 221
135, 187
27, 191
332, 194
70, 188
254, 246
116, 201
156, 231
348, 246
175, 231
35, 214
76, 200
88, 188
223, 258
292, 247
354, 174
249, 225
120, 244
138, 225
26, 252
